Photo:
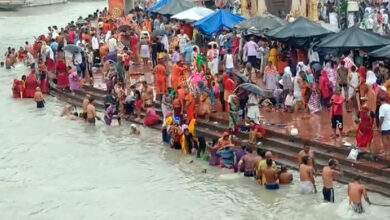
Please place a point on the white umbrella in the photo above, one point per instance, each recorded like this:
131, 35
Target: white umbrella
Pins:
193, 14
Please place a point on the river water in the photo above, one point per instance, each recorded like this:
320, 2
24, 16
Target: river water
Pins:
53, 168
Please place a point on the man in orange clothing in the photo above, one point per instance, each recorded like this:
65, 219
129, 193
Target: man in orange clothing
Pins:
177, 73
160, 76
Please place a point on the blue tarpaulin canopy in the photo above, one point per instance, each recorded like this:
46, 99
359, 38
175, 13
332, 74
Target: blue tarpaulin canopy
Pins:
159, 4
219, 19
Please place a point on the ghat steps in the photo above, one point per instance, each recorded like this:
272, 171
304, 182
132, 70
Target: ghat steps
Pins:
375, 174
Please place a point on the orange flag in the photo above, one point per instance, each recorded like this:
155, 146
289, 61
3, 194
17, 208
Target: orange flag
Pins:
116, 8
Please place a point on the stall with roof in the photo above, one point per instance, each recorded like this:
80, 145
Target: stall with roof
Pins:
174, 7
193, 14
159, 4
220, 19
258, 25
300, 32
353, 38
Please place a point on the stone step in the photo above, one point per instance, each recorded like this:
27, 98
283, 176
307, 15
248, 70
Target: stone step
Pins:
349, 172
369, 166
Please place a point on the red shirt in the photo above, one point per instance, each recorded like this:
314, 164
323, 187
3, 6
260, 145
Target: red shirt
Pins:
337, 105
71, 37
258, 128
86, 37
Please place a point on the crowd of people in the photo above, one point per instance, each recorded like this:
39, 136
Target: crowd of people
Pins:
195, 77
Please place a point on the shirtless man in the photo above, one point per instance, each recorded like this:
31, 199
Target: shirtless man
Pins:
38, 98
328, 174
85, 105
307, 152
256, 159
355, 192
271, 175
284, 176
307, 182
249, 163
146, 95
91, 112
134, 130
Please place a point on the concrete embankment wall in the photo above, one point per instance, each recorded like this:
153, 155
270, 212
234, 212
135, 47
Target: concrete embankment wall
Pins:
31, 3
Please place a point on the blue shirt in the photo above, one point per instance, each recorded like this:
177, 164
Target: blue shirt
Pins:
54, 46
188, 53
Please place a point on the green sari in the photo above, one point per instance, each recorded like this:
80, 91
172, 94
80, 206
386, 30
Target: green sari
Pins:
233, 116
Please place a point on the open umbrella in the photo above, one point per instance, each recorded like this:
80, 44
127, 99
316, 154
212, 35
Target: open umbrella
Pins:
81, 22
242, 77
174, 7
253, 88
299, 32
159, 32
124, 28
260, 24
354, 38
383, 52
73, 48
193, 14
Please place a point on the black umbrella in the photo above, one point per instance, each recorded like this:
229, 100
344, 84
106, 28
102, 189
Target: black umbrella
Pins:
242, 77
354, 38
383, 52
174, 7
260, 24
253, 88
81, 22
159, 32
73, 48
124, 28
300, 32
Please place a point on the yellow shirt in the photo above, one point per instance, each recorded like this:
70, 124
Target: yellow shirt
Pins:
262, 165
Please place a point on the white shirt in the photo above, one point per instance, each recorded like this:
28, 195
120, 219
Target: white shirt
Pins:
384, 111
112, 45
385, 18
183, 38
229, 61
95, 43
54, 34
30, 58
78, 59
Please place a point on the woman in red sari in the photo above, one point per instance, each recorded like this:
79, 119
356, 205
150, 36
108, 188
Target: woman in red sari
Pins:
229, 86
365, 131
31, 85
62, 74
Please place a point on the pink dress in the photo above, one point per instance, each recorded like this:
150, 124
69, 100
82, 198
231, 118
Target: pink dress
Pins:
151, 117
74, 81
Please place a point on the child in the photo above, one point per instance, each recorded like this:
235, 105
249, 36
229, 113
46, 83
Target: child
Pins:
278, 95
289, 102
336, 103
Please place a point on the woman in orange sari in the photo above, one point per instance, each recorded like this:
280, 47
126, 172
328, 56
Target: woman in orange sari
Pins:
190, 106
177, 72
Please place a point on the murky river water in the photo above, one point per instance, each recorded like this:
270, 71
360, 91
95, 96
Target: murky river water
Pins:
53, 168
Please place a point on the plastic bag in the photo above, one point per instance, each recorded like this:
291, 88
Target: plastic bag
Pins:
353, 154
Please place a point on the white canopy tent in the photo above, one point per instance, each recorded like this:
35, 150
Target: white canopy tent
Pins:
193, 14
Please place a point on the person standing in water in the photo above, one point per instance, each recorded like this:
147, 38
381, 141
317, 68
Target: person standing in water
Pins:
307, 152
307, 182
271, 175
356, 190
328, 174
91, 112
38, 98
85, 106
